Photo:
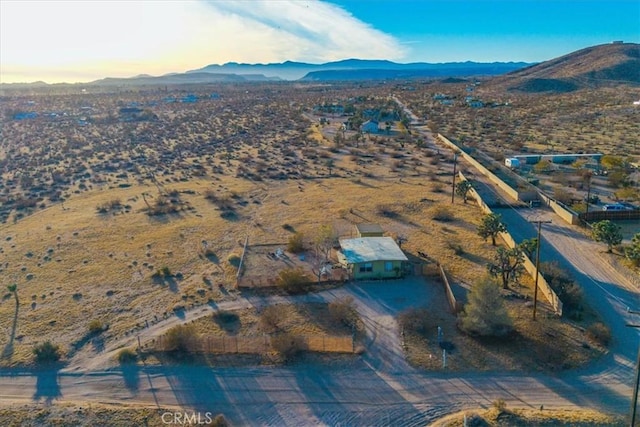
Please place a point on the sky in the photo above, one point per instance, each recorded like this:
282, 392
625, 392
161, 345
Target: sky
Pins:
84, 40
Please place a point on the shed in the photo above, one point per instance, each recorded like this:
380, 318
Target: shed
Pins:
372, 257
369, 230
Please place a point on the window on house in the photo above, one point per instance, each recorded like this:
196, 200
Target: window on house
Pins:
367, 267
388, 266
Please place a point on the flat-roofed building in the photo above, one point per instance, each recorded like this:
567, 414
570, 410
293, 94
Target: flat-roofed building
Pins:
372, 257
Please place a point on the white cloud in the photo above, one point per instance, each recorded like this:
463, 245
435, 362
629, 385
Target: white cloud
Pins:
119, 38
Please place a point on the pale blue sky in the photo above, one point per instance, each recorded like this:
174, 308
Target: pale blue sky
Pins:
73, 40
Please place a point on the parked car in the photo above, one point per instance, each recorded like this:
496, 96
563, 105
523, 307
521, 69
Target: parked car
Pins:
615, 207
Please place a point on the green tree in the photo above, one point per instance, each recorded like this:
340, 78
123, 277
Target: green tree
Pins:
607, 232
490, 226
485, 314
463, 188
529, 246
507, 264
632, 252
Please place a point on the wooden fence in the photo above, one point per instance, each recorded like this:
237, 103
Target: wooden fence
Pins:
454, 305
212, 344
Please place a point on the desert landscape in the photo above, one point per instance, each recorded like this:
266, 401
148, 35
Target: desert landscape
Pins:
152, 226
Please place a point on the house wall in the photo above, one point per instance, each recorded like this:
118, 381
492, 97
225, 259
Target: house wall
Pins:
378, 270
370, 234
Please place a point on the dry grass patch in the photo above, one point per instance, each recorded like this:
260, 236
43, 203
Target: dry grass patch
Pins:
83, 415
495, 417
549, 344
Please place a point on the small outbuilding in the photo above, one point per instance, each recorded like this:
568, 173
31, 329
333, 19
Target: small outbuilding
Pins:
372, 257
369, 230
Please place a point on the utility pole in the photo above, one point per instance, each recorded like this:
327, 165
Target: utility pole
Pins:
589, 176
634, 399
535, 291
453, 182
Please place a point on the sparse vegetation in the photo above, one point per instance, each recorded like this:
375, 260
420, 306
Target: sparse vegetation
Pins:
485, 313
490, 226
292, 280
46, 352
295, 244
180, 340
127, 356
608, 233
96, 326
599, 333
442, 214
507, 265
343, 311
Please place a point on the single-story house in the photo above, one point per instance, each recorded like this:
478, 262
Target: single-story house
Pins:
369, 230
371, 257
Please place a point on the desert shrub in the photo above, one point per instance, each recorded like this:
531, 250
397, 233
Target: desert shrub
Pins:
386, 211
292, 280
437, 187
500, 405
287, 345
441, 213
296, 243
164, 272
418, 320
342, 311
600, 333
224, 317
219, 421
96, 326
563, 196
234, 260
456, 247
127, 356
288, 227
567, 290
270, 319
180, 339
485, 314
46, 352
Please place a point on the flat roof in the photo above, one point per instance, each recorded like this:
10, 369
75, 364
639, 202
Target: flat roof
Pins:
368, 249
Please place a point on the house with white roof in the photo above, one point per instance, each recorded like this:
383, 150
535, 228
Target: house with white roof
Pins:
371, 257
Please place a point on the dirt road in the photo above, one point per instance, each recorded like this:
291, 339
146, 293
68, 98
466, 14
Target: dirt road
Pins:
377, 388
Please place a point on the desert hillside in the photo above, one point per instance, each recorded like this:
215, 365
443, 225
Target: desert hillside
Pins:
615, 63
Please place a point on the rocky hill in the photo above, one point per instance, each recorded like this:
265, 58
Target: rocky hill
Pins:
603, 65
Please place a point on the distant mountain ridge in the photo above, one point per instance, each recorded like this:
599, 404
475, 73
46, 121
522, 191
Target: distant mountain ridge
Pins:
606, 64
355, 69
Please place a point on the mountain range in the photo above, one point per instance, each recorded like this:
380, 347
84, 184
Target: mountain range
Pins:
360, 69
606, 64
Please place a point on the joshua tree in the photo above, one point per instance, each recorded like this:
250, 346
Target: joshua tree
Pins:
13, 288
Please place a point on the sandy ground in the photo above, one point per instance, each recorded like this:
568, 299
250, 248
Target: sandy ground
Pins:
376, 388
